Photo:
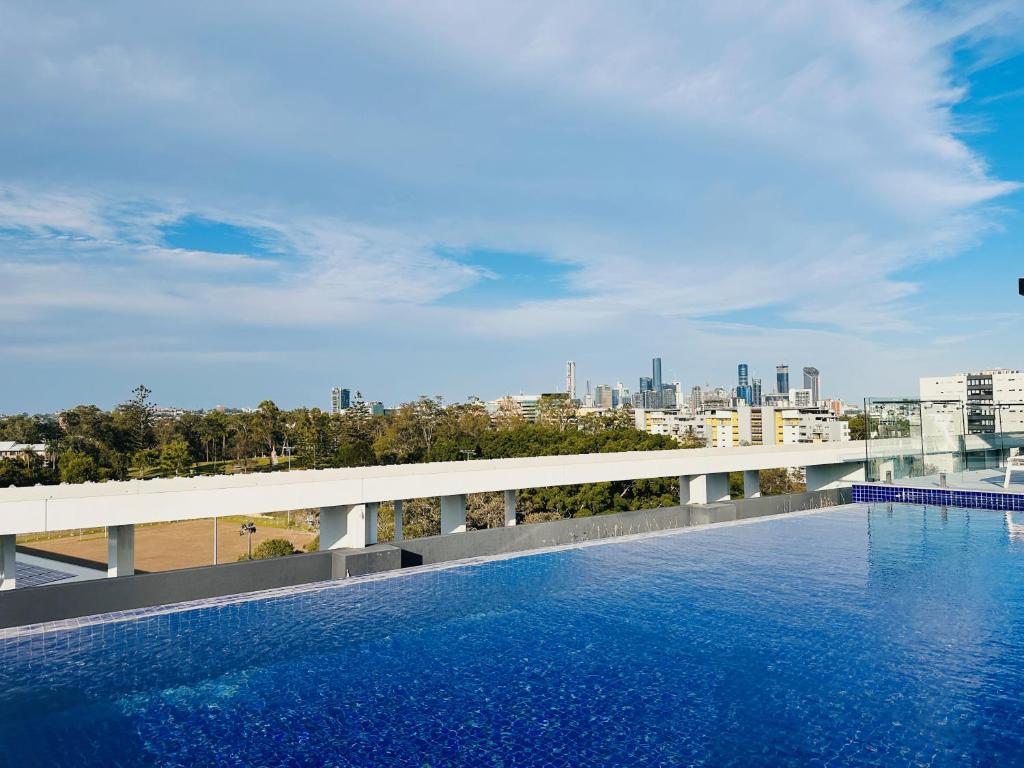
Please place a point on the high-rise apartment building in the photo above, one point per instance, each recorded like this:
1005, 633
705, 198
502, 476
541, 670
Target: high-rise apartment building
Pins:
812, 381
341, 400
570, 378
696, 399
782, 379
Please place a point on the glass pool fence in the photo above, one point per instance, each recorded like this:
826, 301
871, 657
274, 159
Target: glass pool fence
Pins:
909, 438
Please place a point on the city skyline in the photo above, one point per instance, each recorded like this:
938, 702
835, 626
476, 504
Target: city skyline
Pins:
418, 199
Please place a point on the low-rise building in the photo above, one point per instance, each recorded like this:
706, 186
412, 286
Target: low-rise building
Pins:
9, 449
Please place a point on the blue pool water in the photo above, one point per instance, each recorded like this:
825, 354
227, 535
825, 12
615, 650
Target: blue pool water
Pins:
859, 636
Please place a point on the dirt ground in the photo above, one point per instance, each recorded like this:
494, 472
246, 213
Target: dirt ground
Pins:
167, 546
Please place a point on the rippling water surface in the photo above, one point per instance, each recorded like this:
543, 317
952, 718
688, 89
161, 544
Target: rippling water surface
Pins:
859, 636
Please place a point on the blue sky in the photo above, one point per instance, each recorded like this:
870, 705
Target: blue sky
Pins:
233, 201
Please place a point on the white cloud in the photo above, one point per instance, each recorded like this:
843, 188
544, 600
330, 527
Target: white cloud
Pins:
687, 160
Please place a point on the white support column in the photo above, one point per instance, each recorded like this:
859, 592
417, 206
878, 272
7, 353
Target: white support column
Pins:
398, 520
372, 511
453, 514
706, 489
120, 550
343, 526
510, 508
7, 564
827, 476
751, 484
684, 489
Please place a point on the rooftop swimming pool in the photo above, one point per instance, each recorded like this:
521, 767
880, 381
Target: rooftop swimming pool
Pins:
862, 635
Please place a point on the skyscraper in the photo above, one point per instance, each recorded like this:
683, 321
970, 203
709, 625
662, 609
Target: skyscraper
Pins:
341, 400
656, 374
755, 392
812, 381
696, 400
743, 392
782, 379
570, 378
603, 396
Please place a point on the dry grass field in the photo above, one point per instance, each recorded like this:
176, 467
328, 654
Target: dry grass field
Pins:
167, 546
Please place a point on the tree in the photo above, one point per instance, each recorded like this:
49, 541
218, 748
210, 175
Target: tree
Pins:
691, 439
143, 460
268, 426
213, 432
858, 427
175, 459
137, 417
558, 410
269, 548
775, 482
509, 415
403, 438
313, 428
77, 467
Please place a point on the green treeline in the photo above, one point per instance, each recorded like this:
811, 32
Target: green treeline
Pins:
86, 443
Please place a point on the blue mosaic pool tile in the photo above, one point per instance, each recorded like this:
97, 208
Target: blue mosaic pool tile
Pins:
939, 497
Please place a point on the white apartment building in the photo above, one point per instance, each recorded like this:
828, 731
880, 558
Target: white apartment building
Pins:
801, 398
979, 393
677, 424
746, 425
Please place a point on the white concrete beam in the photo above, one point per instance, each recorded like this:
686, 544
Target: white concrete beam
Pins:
7, 564
453, 514
120, 550
398, 519
343, 526
510, 508
828, 476
84, 505
751, 484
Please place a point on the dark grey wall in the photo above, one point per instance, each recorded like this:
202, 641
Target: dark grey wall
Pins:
500, 541
53, 602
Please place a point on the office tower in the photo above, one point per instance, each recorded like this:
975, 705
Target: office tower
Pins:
335, 400
812, 381
755, 392
622, 394
646, 383
743, 371
656, 374
782, 379
603, 396
570, 378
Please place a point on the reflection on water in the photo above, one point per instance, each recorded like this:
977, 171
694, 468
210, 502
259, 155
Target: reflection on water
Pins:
1014, 529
